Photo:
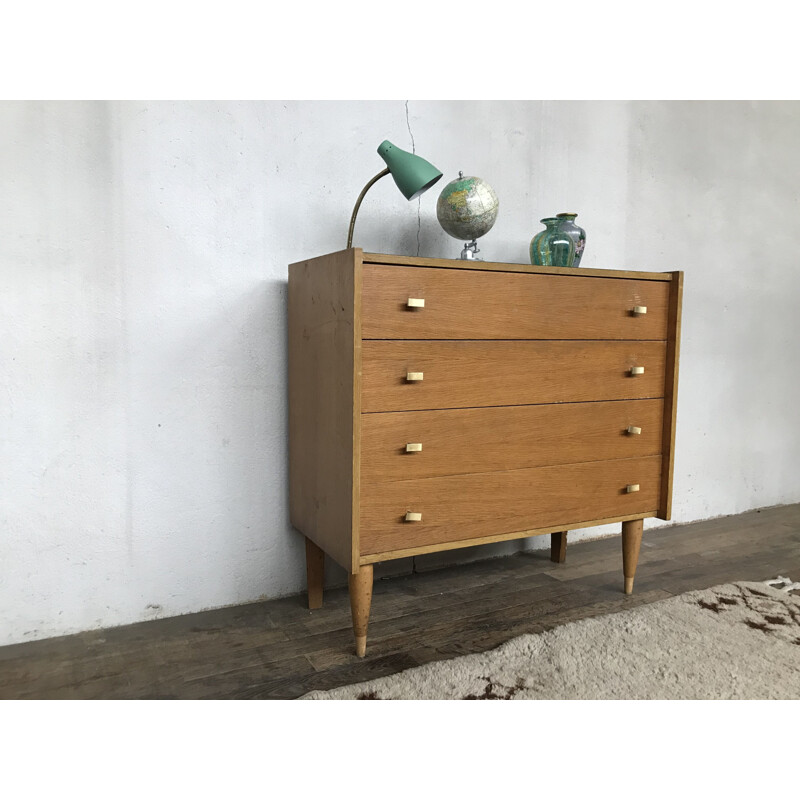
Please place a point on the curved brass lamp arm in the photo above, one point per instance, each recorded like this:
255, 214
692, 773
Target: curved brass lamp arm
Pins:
358, 204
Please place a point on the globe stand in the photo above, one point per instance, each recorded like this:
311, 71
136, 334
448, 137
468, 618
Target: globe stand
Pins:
470, 250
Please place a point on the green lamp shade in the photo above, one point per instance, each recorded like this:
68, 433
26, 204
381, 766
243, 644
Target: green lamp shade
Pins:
412, 174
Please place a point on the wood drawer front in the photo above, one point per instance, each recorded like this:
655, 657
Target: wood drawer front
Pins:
490, 373
456, 441
470, 304
461, 507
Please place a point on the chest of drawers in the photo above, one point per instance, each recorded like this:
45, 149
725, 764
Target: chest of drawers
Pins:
437, 404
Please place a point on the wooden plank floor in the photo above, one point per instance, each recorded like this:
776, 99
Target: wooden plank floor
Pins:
280, 650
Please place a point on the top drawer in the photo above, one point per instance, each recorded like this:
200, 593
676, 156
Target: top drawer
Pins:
473, 304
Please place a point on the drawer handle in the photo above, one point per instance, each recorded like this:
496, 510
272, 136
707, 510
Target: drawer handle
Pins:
637, 370
415, 302
414, 447
413, 516
633, 430
413, 376
632, 487
640, 310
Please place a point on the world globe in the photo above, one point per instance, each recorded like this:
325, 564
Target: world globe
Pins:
467, 207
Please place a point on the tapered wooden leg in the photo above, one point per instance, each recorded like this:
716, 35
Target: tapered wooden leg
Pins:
558, 547
631, 542
315, 573
360, 601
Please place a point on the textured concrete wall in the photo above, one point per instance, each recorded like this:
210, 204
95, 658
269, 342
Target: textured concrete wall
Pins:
143, 254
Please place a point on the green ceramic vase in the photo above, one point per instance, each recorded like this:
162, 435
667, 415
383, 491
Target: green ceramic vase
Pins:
552, 247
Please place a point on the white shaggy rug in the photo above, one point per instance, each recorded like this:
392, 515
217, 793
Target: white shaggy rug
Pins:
736, 641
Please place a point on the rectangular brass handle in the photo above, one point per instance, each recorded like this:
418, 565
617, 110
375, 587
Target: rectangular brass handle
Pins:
632, 487
637, 370
640, 310
414, 447
413, 376
415, 302
633, 430
413, 516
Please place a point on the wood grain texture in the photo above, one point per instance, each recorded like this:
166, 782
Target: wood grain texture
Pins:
324, 413
495, 266
671, 393
456, 544
473, 304
470, 374
506, 437
470, 506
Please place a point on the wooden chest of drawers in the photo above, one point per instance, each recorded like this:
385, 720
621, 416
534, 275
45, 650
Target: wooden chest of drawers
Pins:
436, 404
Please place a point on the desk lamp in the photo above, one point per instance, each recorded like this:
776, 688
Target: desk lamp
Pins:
412, 174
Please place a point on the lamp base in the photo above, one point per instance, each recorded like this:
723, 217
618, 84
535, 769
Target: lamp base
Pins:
470, 250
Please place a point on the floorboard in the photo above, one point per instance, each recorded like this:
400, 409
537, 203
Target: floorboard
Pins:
280, 650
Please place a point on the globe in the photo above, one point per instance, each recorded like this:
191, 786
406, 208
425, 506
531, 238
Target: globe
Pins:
467, 207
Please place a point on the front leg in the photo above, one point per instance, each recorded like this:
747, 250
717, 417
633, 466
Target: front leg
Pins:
631, 542
360, 602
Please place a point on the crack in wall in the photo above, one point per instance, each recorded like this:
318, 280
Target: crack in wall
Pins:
419, 227
419, 200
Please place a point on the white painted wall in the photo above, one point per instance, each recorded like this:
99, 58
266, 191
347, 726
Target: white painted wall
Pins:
143, 255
